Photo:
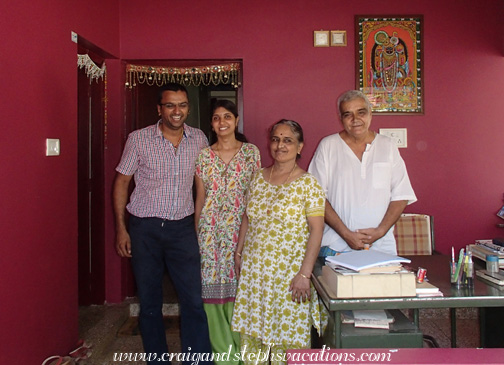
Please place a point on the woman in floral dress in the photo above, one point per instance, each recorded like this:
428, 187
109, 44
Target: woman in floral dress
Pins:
276, 305
223, 174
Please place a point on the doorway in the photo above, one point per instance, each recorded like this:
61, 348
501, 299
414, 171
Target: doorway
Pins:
143, 105
141, 110
91, 189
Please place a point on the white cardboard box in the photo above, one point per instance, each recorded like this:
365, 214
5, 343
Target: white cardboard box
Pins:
402, 284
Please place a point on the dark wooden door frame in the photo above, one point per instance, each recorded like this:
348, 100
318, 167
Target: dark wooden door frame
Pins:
91, 189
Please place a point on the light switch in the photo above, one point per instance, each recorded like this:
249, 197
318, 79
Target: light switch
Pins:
399, 135
52, 147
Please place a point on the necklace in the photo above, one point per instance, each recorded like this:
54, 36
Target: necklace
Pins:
280, 187
288, 177
176, 145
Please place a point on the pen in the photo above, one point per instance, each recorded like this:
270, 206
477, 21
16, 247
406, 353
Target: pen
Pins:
464, 269
453, 266
470, 270
457, 271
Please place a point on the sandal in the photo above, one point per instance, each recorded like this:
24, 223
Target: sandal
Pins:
59, 360
82, 352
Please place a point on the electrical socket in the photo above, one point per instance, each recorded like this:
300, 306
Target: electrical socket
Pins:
52, 147
399, 135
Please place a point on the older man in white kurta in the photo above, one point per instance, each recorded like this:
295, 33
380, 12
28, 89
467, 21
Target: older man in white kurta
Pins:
365, 180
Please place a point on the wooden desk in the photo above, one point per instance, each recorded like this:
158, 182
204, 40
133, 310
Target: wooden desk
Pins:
483, 294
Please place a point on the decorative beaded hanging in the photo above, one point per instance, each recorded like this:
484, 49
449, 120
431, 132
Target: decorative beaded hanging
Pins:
228, 73
93, 72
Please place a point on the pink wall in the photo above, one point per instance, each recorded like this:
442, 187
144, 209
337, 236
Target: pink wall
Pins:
454, 150
454, 154
38, 212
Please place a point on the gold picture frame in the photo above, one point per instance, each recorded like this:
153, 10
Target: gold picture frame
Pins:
338, 38
389, 57
321, 38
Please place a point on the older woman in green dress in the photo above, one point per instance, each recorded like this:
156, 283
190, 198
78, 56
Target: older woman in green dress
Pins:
276, 304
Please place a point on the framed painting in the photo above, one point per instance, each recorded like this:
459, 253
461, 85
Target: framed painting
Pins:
389, 62
321, 38
338, 38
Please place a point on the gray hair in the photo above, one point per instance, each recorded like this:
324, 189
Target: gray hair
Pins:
352, 95
294, 127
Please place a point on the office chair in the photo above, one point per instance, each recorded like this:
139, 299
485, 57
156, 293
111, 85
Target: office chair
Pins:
414, 234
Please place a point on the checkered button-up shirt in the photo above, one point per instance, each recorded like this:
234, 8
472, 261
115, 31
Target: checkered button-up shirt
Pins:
163, 176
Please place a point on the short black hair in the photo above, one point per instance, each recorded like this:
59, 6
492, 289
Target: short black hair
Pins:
171, 86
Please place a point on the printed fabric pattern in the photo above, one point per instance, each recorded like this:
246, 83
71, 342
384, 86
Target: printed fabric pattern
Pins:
221, 217
275, 246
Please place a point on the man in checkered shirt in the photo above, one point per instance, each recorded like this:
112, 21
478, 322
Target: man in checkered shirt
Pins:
161, 233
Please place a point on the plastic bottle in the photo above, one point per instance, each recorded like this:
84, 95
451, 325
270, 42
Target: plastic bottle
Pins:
492, 263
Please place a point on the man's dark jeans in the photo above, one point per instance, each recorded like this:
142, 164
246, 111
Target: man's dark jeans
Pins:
156, 244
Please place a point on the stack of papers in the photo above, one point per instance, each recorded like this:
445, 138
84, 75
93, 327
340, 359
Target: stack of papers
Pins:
365, 260
482, 248
426, 289
368, 318
494, 277
381, 269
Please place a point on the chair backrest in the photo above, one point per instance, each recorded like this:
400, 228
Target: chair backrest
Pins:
414, 234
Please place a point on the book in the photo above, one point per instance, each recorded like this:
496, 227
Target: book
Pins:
493, 246
430, 295
364, 259
347, 316
481, 252
368, 318
382, 269
426, 289
389, 268
498, 242
363, 285
486, 250
494, 277
500, 213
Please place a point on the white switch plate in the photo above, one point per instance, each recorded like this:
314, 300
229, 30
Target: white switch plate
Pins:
399, 135
52, 147
74, 36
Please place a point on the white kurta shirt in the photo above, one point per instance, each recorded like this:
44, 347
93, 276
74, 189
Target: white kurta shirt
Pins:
361, 191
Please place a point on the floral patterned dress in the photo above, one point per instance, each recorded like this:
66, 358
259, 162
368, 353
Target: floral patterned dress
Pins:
275, 246
221, 216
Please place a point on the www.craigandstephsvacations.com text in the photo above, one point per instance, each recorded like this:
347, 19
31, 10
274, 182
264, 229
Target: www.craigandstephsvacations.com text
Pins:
323, 355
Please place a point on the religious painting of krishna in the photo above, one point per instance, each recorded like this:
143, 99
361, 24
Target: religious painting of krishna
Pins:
389, 62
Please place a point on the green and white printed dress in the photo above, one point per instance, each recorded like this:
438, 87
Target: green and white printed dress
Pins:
275, 246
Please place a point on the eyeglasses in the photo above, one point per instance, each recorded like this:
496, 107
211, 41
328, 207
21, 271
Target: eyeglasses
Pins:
183, 105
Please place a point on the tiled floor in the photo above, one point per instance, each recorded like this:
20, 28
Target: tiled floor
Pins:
104, 326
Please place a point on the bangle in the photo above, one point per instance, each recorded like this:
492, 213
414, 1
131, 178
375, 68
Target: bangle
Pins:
304, 276
239, 254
